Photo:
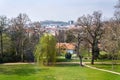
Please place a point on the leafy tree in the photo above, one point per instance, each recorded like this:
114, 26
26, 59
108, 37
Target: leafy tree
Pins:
8, 51
3, 23
45, 51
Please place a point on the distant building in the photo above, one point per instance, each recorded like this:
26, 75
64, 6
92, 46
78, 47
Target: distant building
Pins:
71, 22
68, 47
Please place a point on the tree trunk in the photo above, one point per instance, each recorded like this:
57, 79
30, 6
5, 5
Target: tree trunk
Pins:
80, 57
93, 55
22, 51
93, 58
95, 51
78, 47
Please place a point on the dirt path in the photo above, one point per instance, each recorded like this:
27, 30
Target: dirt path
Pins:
16, 63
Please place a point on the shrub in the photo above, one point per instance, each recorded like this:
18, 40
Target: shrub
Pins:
105, 56
68, 56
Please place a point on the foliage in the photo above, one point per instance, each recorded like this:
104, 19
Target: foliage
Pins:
103, 55
3, 24
18, 34
8, 52
45, 51
84, 52
62, 49
70, 37
68, 55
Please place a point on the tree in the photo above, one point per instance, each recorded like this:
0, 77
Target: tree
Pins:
18, 34
61, 35
8, 51
45, 51
118, 5
70, 37
117, 13
110, 41
93, 30
3, 23
78, 48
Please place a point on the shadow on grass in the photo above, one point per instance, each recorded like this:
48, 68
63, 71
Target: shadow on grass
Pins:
21, 70
66, 60
63, 60
67, 65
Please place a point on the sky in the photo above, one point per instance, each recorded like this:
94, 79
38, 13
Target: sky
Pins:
58, 10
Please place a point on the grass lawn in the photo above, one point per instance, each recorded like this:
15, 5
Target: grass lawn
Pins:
62, 59
109, 61
115, 68
76, 59
58, 72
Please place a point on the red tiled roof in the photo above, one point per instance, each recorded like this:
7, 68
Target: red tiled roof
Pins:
70, 46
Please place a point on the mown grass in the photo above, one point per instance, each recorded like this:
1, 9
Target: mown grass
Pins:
76, 59
115, 67
57, 72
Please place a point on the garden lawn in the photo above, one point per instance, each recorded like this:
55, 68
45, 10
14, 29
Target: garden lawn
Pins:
115, 67
58, 72
62, 59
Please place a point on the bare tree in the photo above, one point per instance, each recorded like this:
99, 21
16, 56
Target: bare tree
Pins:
110, 40
18, 32
117, 13
118, 5
93, 29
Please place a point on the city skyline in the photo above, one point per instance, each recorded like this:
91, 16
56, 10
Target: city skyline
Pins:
59, 10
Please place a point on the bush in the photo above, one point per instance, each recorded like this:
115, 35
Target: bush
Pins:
68, 56
105, 56
10, 57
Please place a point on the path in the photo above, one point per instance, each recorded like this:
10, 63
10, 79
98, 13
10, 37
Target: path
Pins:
15, 63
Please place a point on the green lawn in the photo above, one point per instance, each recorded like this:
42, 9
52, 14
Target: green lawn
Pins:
58, 72
62, 59
115, 68
76, 59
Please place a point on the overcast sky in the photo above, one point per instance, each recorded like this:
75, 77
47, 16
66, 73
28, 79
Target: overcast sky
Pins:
63, 10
